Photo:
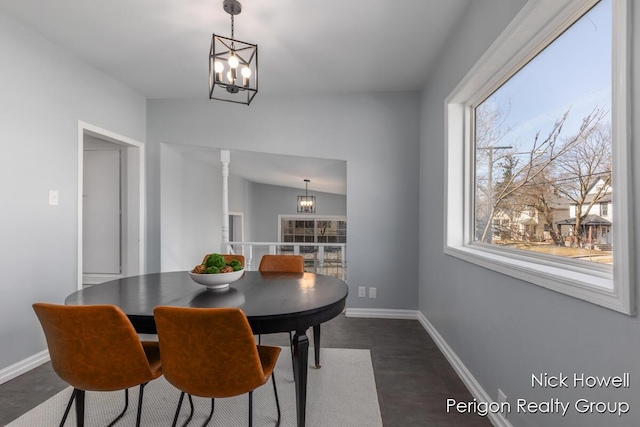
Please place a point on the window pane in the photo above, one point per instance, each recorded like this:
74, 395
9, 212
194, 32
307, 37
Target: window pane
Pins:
321, 231
543, 149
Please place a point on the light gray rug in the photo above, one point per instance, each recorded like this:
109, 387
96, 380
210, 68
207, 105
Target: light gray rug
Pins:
342, 393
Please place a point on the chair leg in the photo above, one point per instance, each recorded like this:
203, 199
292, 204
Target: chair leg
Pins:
190, 412
126, 405
275, 392
80, 408
78, 396
139, 417
175, 417
251, 408
213, 405
66, 411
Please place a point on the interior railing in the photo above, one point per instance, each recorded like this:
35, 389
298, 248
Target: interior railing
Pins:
321, 258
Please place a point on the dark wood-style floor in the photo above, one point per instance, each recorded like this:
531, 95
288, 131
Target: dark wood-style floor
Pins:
412, 376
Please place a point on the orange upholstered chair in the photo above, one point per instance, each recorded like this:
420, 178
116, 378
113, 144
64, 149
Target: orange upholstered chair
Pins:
282, 263
211, 353
230, 257
95, 348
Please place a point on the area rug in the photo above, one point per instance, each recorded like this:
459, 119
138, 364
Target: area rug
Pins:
340, 394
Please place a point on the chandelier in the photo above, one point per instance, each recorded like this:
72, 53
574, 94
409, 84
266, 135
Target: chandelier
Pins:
233, 64
306, 203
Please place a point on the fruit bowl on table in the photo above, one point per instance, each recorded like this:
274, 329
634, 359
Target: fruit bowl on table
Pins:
218, 280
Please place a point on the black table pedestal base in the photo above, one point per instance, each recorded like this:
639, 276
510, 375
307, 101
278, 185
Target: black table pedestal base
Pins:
300, 358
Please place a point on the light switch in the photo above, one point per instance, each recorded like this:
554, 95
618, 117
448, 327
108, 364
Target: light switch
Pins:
53, 197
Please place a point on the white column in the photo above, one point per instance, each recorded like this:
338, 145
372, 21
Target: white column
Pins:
225, 159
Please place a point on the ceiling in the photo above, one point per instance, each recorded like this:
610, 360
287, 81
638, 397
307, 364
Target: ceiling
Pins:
159, 48
326, 175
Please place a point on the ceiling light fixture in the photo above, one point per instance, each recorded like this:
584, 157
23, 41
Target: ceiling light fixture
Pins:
233, 65
306, 203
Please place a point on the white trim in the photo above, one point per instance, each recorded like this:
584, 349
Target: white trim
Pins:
382, 313
465, 375
25, 365
537, 24
241, 215
88, 129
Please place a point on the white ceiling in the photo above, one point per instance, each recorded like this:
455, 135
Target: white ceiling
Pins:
326, 175
159, 48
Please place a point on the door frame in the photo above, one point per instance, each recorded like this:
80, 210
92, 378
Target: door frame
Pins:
241, 216
134, 237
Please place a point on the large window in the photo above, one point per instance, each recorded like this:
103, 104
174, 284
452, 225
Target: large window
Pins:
543, 148
537, 143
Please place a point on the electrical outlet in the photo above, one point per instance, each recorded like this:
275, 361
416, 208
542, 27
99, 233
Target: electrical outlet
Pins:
372, 292
362, 291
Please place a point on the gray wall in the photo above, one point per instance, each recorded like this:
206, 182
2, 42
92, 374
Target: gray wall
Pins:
45, 91
191, 204
378, 136
505, 330
271, 201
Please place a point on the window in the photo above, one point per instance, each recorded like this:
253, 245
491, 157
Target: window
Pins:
329, 232
542, 145
313, 230
536, 144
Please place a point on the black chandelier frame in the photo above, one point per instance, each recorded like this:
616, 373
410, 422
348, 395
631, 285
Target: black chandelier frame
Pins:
222, 48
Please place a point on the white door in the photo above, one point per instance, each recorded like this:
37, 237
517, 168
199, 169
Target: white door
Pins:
101, 212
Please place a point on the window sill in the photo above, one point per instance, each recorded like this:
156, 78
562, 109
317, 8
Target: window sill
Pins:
594, 286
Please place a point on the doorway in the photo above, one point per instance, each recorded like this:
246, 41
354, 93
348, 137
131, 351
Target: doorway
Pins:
110, 167
236, 230
102, 208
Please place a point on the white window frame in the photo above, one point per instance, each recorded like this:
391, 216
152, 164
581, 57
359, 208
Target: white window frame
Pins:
535, 27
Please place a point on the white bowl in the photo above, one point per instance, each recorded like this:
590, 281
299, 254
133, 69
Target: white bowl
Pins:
216, 281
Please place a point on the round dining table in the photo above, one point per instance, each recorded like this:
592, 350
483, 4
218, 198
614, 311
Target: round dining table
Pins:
272, 302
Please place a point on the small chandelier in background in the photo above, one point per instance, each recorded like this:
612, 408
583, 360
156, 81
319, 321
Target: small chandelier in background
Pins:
306, 203
233, 65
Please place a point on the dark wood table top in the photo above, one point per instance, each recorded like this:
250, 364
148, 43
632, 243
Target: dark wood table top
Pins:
273, 302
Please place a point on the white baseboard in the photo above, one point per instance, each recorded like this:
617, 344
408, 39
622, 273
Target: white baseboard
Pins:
381, 313
25, 365
465, 375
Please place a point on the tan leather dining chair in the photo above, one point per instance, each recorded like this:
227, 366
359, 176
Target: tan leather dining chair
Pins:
211, 353
230, 257
282, 263
95, 348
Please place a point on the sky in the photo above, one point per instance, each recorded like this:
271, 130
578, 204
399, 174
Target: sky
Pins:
574, 72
